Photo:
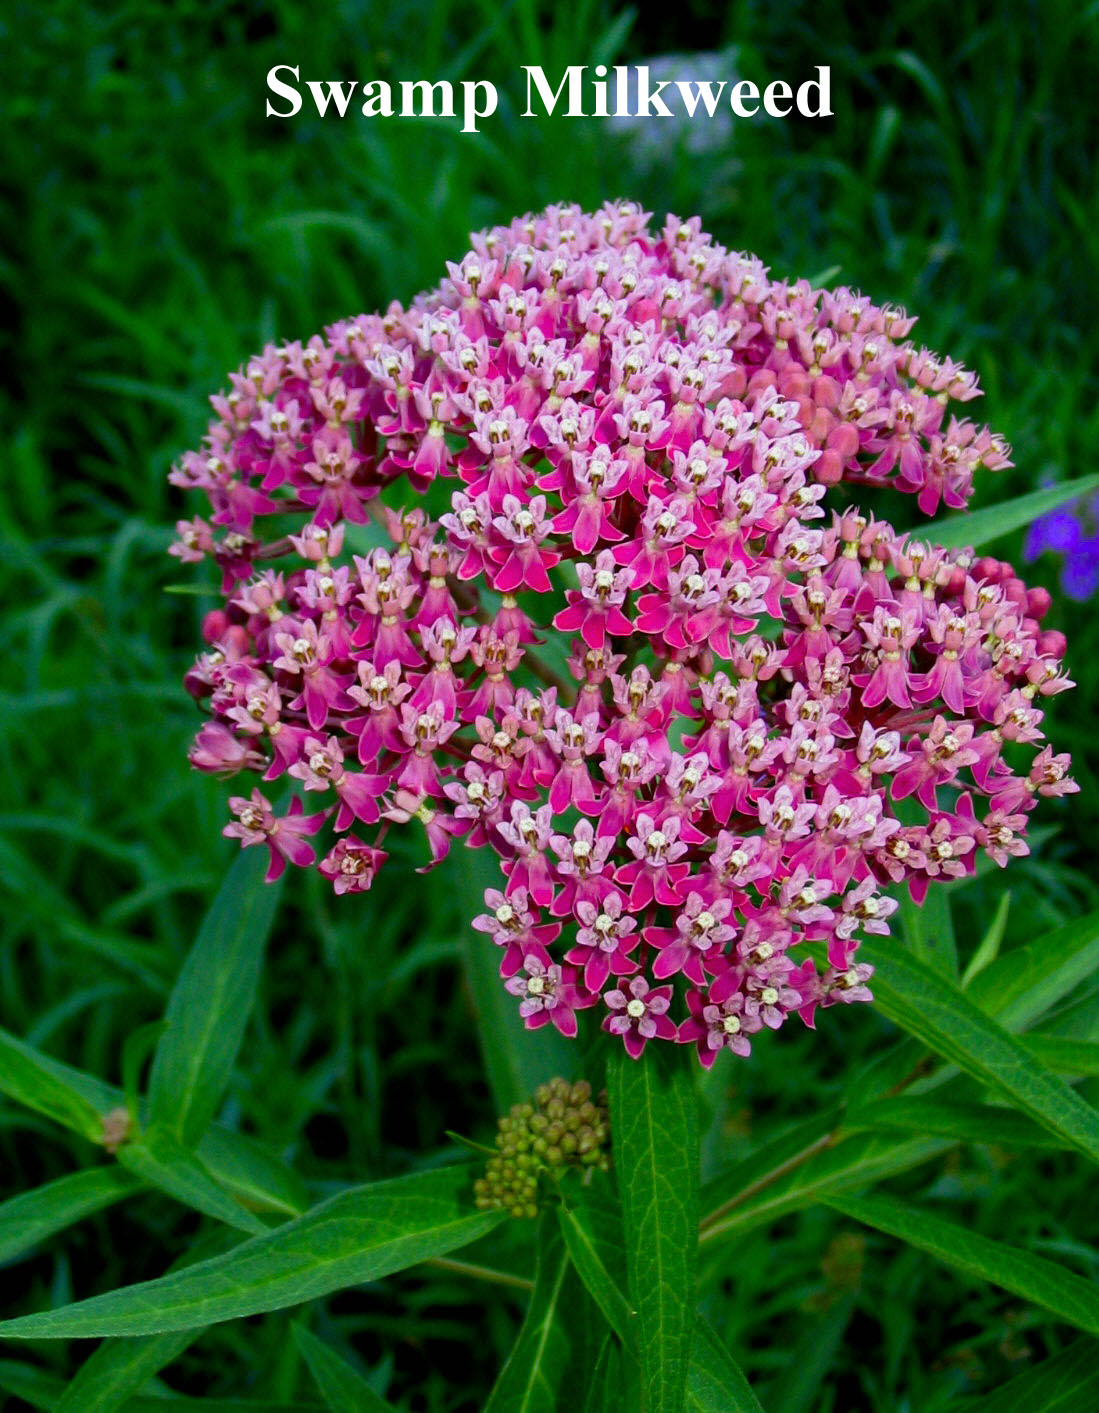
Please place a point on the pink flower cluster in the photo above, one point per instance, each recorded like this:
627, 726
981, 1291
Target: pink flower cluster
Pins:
769, 711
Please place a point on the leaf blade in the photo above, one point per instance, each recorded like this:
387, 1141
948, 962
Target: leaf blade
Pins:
531, 1378
715, 1383
211, 1001
1032, 1278
591, 1225
981, 527
38, 1083
654, 1127
357, 1236
343, 1388
946, 1019
31, 1217
1066, 1383
160, 1160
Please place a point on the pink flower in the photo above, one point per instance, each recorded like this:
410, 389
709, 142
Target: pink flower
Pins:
284, 836
639, 1013
618, 632
548, 993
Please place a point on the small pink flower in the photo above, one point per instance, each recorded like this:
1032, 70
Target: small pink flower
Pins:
639, 1013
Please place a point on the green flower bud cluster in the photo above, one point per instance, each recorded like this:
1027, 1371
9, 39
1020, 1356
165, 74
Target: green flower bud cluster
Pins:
563, 1128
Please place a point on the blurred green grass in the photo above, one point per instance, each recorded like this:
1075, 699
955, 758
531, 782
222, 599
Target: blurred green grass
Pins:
155, 229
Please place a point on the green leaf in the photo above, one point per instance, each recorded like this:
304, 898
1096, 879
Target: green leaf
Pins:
654, 1130
968, 1123
33, 1216
982, 527
118, 1369
160, 1160
357, 1236
853, 1162
211, 1001
517, 1060
591, 1224
991, 942
929, 929
772, 1157
1033, 1278
1067, 1383
257, 1178
927, 1005
715, 1384
798, 1387
34, 1080
1064, 1054
343, 1388
42, 1390
232, 1159
531, 1379
1021, 985
605, 1392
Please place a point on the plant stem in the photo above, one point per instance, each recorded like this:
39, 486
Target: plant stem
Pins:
481, 1273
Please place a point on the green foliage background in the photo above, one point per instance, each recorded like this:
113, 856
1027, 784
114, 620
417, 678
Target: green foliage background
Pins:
155, 230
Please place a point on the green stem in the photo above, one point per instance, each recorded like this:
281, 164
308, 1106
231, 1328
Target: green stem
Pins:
480, 1273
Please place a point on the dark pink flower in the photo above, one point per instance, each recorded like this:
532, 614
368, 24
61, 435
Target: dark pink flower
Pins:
599, 614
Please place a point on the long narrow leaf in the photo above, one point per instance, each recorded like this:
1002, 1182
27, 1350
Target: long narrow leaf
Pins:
591, 1224
654, 1127
531, 1379
343, 1388
41, 1390
119, 1369
238, 1162
981, 527
1033, 1278
255, 1176
944, 1017
33, 1216
1021, 985
33, 1080
969, 1123
715, 1384
358, 1236
160, 1160
1065, 1055
1067, 1383
854, 1162
212, 1000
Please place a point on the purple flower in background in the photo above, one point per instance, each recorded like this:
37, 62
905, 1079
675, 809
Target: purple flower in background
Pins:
1071, 531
